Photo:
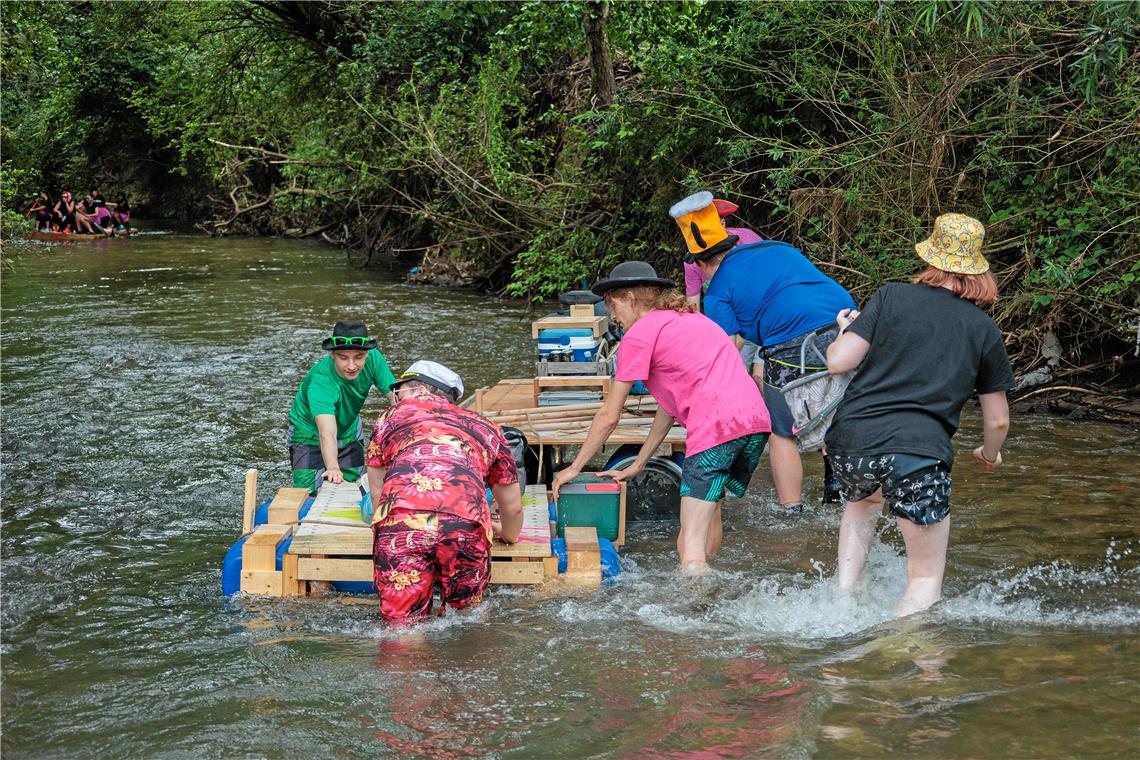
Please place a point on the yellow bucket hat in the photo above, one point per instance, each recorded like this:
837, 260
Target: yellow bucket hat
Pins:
699, 220
955, 245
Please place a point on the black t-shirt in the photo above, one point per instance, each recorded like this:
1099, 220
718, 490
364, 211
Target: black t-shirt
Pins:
930, 351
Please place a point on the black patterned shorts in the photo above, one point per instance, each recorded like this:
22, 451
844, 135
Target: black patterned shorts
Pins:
725, 467
916, 488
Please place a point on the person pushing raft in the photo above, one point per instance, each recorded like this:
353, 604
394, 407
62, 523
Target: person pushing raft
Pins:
325, 434
693, 370
922, 350
429, 465
769, 294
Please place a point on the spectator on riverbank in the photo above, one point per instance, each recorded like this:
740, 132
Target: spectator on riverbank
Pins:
325, 434
922, 350
41, 211
430, 463
769, 294
692, 369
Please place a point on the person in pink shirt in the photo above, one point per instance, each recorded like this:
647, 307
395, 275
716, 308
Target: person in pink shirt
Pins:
690, 366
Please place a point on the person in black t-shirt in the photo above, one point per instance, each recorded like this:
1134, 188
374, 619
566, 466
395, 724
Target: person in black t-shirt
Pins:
922, 350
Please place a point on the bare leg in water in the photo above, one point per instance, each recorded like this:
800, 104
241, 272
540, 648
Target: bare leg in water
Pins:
716, 533
697, 517
925, 564
855, 533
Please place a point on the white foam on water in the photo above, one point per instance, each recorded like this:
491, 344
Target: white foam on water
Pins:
1057, 594
746, 605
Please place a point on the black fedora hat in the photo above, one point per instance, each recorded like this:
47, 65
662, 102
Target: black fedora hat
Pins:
349, 336
630, 274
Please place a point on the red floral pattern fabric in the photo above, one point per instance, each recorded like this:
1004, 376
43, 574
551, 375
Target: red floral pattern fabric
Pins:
413, 552
439, 458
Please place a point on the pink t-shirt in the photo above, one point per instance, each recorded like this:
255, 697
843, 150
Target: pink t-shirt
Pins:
693, 277
694, 371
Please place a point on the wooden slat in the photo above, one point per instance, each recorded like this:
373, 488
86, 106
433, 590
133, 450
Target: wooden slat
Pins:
261, 583
286, 505
291, 585
583, 557
350, 542
596, 324
621, 515
564, 381
582, 310
259, 552
323, 569
526, 573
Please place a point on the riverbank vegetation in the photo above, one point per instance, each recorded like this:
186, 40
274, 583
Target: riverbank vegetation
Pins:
523, 147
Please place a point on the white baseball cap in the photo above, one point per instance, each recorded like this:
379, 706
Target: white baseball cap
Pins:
436, 375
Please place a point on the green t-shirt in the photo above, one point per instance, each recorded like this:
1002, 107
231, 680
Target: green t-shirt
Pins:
323, 391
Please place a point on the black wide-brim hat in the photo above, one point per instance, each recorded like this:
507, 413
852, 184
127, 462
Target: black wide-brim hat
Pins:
630, 274
352, 332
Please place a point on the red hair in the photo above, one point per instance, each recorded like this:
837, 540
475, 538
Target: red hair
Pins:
979, 288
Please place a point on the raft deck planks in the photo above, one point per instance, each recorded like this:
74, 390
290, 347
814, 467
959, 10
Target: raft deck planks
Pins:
329, 545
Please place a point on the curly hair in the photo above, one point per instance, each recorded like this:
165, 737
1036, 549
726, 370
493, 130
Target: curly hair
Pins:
652, 297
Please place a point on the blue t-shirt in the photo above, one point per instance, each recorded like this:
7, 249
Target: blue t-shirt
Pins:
769, 293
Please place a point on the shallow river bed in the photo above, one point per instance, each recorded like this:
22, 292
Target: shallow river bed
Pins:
141, 377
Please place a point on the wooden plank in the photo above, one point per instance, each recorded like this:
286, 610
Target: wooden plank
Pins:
582, 310
517, 573
581, 539
259, 552
550, 567
291, 585
583, 557
620, 541
596, 324
350, 542
585, 381
286, 505
249, 507
261, 582
545, 369
324, 569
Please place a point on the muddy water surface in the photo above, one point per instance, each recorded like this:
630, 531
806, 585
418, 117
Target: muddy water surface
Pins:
141, 377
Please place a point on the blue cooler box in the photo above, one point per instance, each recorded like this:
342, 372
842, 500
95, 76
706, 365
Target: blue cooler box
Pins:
579, 340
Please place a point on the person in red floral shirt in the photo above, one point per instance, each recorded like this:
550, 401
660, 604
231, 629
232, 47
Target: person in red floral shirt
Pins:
429, 465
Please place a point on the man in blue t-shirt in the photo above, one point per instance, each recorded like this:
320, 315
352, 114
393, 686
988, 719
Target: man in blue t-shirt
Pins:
769, 294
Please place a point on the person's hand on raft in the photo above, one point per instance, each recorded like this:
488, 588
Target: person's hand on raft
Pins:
845, 318
988, 465
562, 478
632, 471
497, 530
334, 476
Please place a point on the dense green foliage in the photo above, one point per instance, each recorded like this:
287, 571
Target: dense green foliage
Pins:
465, 134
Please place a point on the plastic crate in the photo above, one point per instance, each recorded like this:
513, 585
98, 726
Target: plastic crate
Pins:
590, 501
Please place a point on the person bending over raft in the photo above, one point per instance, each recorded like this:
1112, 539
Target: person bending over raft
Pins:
693, 370
766, 293
429, 466
325, 435
922, 349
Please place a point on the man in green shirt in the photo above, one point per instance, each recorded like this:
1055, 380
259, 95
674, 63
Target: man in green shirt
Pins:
325, 435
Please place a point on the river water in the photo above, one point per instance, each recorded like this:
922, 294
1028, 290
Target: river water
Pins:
141, 377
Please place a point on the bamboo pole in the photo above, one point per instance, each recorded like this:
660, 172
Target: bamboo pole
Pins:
250, 500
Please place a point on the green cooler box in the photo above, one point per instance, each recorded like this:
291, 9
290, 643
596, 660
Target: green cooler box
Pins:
592, 502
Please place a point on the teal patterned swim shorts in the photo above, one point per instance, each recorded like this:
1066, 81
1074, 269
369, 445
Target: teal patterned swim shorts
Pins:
725, 467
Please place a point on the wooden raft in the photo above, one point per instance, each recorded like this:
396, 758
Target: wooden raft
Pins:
333, 544
509, 403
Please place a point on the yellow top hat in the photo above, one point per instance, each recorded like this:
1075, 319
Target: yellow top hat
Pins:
700, 223
955, 245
